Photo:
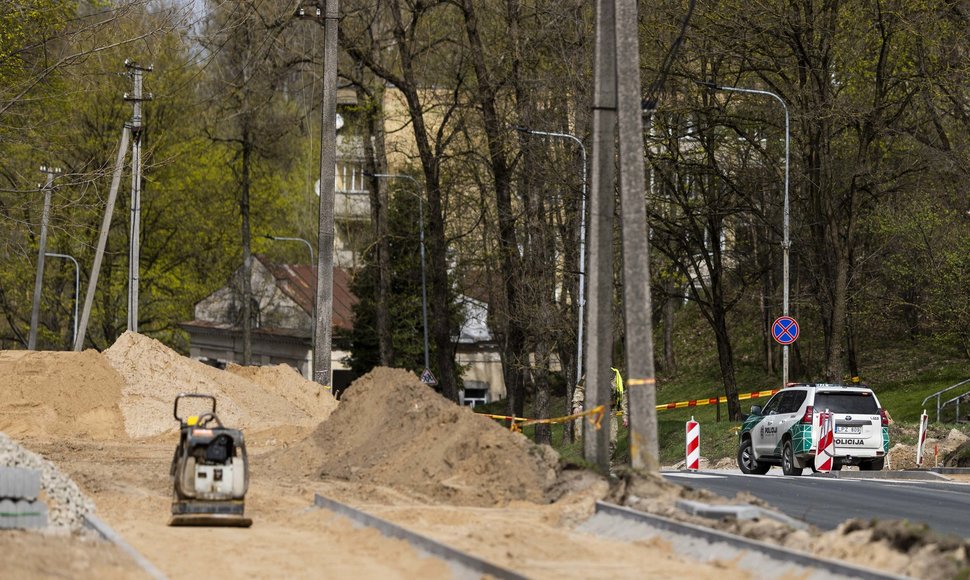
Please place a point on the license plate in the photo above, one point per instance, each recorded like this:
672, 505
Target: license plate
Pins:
848, 429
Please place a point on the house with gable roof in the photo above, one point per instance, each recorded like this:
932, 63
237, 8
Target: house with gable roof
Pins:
282, 314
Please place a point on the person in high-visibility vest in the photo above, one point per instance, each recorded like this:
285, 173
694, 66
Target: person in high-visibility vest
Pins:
619, 398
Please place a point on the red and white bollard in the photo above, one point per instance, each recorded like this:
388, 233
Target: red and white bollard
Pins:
825, 450
921, 439
693, 445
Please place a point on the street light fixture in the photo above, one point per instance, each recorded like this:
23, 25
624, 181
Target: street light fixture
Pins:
313, 322
581, 302
283, 239
424, 284
77, 287
786, 243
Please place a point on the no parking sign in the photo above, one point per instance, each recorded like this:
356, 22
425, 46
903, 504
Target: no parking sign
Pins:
784, 330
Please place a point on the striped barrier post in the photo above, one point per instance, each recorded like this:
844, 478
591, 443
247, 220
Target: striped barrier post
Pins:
693, 445
921, 439
825, 450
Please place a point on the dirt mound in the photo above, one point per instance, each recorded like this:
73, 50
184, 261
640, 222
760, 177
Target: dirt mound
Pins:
73, 394
941, 448
154, 374
285, 381
390, 429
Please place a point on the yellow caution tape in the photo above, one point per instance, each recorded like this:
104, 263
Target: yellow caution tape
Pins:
714, 400
595, 417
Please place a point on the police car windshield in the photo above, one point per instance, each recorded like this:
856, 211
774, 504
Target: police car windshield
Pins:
851, 402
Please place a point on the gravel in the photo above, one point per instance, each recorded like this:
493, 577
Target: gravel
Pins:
66, 504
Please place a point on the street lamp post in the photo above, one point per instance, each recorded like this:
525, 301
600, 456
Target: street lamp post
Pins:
786, 243
77, 287
581, 301
283, 239
424, 284
313, 322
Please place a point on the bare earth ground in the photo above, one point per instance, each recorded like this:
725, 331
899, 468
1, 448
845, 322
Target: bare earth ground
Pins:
291, 539
391, 447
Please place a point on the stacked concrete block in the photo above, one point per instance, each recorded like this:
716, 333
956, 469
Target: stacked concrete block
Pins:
20, 507
19, 482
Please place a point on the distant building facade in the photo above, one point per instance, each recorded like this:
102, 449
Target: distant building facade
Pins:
282, 313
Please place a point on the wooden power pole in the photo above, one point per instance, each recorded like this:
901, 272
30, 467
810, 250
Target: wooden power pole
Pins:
617, 111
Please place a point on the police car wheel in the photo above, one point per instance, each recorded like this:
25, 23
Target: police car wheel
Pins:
788, 460
746, 461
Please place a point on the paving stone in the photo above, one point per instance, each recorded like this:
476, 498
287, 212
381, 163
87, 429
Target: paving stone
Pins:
17, 482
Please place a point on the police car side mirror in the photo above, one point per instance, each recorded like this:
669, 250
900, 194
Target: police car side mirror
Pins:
755, 410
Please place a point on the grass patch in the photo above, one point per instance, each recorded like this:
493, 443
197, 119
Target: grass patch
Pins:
902, 372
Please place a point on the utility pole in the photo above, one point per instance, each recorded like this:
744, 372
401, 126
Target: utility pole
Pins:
599, 354
638, 324
41, 253
323, 330
134, 252
126, 133
617, 110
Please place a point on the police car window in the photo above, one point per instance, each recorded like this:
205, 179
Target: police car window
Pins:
797, 398
848, 402
787, 404
772, 406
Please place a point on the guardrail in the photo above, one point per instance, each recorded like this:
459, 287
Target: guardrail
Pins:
939, 393
957, 401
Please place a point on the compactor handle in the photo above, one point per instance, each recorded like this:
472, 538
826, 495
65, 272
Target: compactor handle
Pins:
175, 410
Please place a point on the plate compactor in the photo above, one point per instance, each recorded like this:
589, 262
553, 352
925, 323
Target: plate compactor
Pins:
210, 471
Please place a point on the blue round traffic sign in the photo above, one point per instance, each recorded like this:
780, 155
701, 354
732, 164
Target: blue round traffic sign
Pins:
784, 329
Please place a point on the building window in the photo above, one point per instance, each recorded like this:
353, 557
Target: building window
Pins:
474, 393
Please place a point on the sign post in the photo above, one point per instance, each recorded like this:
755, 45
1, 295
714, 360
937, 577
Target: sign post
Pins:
785, 332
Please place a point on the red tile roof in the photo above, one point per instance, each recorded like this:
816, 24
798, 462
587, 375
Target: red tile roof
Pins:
299, 282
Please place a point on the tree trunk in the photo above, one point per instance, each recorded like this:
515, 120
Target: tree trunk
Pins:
725, 360
439, 291
542, 394
375, 160
670, 361
836, 315
247, 269
495, 133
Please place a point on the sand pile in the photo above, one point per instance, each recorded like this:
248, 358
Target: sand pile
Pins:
937, 449
154, 374
285, 381
59, 393
390, 429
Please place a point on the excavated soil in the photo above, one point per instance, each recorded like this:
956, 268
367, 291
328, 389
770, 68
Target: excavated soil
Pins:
392, 447
285, 381
63, 394
155, 374
391, 429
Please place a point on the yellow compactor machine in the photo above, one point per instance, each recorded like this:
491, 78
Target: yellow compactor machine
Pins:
210, 471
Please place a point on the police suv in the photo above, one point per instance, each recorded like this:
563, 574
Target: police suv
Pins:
784, 432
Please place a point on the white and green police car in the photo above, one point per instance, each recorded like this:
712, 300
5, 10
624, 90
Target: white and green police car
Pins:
782, 433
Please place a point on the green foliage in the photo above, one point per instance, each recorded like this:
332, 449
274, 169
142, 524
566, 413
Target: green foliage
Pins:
405, 307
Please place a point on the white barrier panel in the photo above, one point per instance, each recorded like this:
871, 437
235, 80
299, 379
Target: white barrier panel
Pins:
825, 450
921, 439
693, 445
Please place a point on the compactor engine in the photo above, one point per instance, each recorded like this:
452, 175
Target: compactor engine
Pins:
209, 472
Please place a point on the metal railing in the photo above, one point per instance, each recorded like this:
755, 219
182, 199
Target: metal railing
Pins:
940, 405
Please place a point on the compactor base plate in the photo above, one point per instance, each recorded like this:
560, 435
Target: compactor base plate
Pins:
211, 520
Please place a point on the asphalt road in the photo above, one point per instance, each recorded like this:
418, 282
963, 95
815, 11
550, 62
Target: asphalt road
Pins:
826, 502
